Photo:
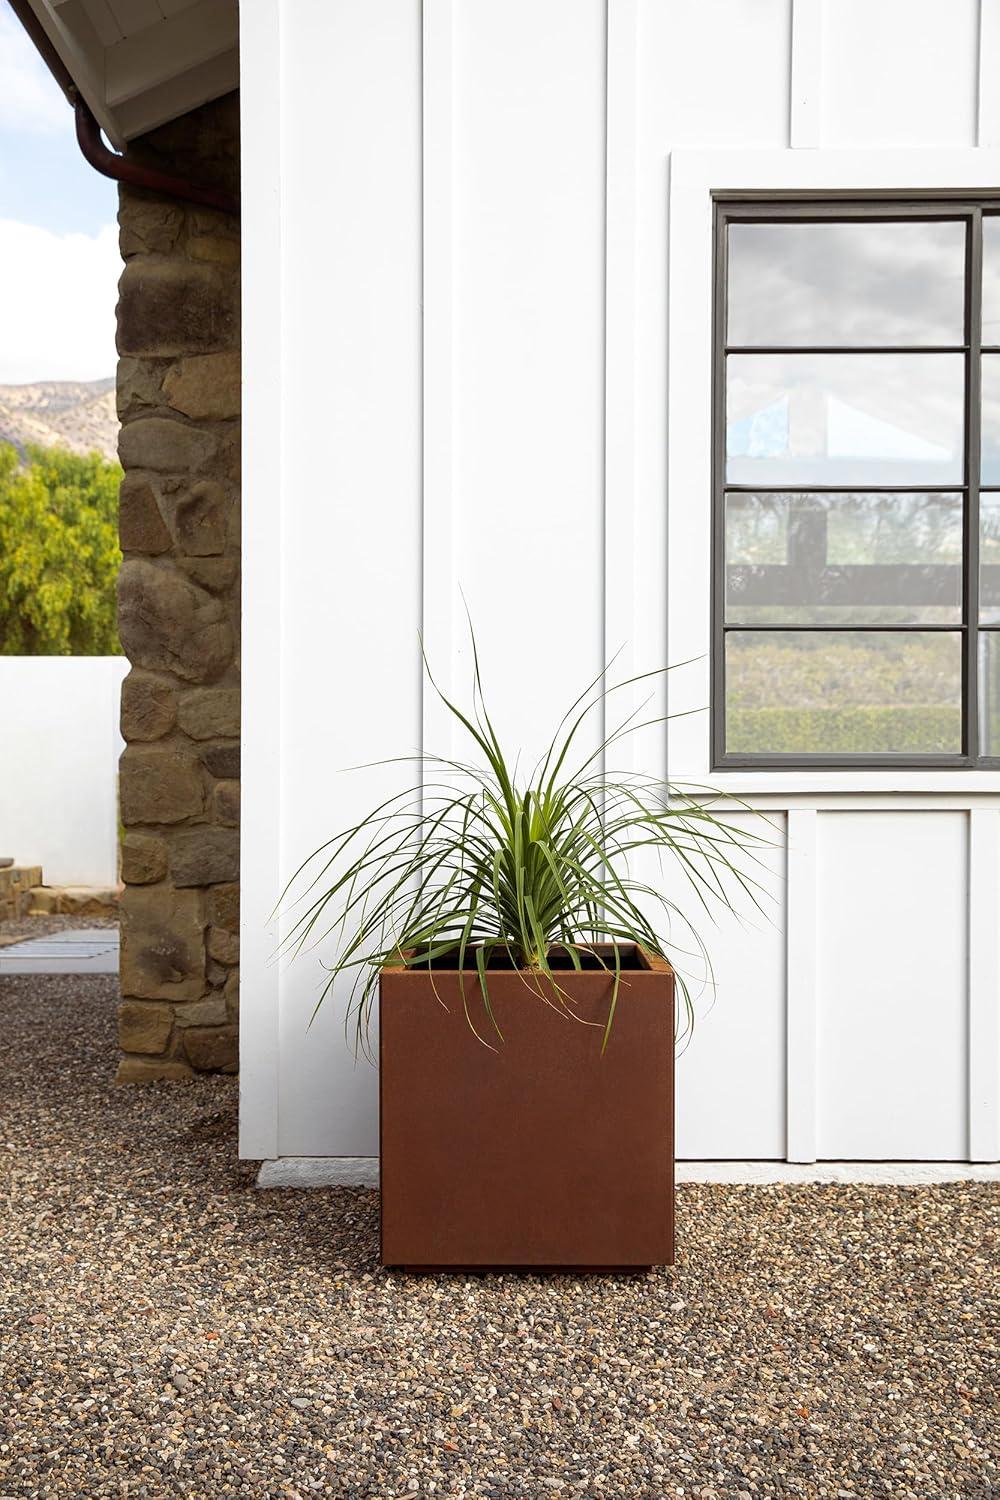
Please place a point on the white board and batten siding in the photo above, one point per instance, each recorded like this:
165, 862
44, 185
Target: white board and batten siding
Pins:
478, 350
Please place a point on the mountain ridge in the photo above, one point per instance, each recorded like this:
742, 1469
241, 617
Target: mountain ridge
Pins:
76, 414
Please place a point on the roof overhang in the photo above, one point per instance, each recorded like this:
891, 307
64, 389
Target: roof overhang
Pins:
140, 63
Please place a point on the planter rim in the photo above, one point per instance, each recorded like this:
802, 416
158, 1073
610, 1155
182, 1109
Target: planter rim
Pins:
649, 963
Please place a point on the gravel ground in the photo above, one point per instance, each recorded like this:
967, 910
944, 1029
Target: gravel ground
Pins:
23, 928
166, 1329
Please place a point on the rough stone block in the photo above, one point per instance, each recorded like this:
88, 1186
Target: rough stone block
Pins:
205, 386
144, 859
148, 225
215, 248
233, 995
177, 307
216, 574
222, 907
166, 446
208, 1012
159, 784
141, 528
205, 856
226, 803
75, 900
222, 761
230, 458
144, 1026
163, 945
153, 1070
212, 221
209, 713
138, 386
200, 519
42, 901
149, 707
223, 946
168, 624
212, 1049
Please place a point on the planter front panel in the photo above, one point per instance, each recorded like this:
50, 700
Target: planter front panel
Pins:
540, 1152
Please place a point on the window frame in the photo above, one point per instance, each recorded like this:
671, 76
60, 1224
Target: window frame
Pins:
763, 207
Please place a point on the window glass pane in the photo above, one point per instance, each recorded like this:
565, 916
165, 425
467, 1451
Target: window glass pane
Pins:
990, 473
844, 559
843, 692
989, 558
842, 283
989, 692
991, 279
851, 419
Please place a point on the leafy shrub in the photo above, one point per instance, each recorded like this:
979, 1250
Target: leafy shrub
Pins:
59, 553
855, 669
872, 728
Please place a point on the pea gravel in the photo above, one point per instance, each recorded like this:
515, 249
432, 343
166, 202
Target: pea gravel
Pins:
166, 1329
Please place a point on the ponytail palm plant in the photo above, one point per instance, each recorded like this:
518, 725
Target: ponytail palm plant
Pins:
479, 868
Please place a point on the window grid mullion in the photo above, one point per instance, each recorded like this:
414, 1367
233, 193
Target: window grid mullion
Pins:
720, 335
973, 461
845, 349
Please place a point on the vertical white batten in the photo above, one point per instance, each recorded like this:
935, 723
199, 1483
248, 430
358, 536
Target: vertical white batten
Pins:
439, 585
800, 937
263, 408
805, 122
984, 984
621, 532
988, 102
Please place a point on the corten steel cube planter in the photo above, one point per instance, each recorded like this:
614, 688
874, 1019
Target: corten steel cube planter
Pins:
542, 1152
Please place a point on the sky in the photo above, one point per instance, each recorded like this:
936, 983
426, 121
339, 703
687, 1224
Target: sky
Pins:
59, 261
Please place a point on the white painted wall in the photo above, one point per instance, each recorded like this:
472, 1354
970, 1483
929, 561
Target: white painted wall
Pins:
477, 314
59, 750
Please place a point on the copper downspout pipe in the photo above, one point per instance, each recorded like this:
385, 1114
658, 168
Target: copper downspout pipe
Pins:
103, 159
91, 142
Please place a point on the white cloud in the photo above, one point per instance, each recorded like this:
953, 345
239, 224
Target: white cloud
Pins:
57, 303
30, 98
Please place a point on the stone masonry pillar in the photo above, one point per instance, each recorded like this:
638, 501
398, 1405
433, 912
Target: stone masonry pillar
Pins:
179, 607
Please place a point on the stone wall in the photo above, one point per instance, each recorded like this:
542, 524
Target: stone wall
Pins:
16, 885
179, 610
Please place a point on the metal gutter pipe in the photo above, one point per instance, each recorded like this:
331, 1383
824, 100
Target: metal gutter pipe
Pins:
110, 163
119, 167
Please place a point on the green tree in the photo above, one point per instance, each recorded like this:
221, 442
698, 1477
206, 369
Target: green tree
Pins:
59, 553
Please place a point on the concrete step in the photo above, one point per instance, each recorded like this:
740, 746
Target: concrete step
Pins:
74, 900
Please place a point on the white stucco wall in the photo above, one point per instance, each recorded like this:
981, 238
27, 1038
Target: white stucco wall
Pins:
59, 749
477, 354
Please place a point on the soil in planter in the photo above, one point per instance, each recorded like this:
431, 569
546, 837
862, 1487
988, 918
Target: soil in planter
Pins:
631, 960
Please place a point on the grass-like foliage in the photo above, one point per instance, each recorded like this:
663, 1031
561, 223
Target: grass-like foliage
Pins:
478, 867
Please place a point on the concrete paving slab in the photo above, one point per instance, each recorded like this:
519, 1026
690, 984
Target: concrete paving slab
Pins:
362, 1171
85, 950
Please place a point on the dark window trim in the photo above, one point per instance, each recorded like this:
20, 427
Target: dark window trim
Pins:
811, 207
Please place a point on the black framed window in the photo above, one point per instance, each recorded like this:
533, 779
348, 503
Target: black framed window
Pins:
856, 535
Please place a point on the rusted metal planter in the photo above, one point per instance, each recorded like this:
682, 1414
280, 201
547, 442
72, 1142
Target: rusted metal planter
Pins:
542, 1152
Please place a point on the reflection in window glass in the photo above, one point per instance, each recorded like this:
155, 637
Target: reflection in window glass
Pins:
847, 283
844, 559
843, 692
989, 559
851, 419
989, 692
990, 473
991, 279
